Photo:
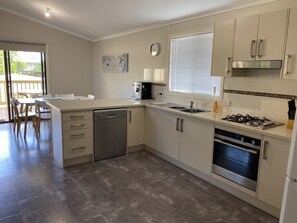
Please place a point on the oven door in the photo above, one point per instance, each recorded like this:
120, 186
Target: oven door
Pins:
236, 162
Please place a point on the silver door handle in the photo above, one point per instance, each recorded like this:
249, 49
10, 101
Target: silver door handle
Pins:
253, 49
286, 64
237, 147
181, 125
76, 135
130, 116
228, 60
260, 49
177, 124
265, 157
78, 148
77, 116
77, 125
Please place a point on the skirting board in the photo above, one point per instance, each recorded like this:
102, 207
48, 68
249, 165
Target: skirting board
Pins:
134, 148
78, 160
216, 182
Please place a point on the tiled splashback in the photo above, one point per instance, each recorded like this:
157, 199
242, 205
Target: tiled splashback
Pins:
260, 92
274, 94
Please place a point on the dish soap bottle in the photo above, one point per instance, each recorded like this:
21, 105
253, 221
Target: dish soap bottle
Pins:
216, 107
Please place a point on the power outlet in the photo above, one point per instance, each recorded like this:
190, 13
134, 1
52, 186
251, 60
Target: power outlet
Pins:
227, 102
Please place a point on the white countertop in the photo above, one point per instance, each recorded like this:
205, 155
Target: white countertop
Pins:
281, 132
80, 105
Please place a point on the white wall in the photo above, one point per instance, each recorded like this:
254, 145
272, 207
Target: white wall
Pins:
117, 85
69, 58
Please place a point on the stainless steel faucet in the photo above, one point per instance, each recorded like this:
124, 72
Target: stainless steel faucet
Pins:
191, 105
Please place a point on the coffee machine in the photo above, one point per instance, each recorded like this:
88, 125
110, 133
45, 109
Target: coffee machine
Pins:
142, 90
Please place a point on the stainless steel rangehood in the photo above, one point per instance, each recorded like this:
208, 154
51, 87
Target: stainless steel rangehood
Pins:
257, 64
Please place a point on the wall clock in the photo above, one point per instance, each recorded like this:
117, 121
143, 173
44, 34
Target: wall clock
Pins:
155, 49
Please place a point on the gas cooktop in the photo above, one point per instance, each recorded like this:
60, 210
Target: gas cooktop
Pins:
259, 122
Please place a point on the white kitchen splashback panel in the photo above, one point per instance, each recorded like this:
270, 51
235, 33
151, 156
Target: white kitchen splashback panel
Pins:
275, 108
266, 81
263, 81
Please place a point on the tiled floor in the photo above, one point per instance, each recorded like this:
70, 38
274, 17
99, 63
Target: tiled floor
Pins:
133, 189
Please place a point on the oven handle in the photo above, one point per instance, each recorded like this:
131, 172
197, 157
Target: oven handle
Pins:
237, 147
237, 141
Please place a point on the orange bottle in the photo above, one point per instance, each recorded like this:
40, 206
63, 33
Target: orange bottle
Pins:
216, 107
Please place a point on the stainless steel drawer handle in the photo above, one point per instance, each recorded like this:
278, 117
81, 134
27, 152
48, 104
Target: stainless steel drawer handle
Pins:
253, 48
79, 134
177, 124
237, 147
181, 125
78, 148
286, 64
228, 63
130, 116
260, 50
77, 125
77, 116
265, 157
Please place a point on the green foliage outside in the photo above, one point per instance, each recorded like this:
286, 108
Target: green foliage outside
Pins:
1, 63
17, 66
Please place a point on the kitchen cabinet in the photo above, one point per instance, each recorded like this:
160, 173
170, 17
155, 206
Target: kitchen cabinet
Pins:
222, 53
135, 126
185, 139
290, 61
72, 137
150, 127
167, 134
273, 167
196, 144
77, 134
260, 37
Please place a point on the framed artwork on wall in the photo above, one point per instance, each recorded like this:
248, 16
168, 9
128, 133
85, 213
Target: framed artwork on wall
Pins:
115, 64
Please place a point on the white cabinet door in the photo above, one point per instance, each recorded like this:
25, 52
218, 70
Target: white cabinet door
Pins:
223, 48
260, 37
271, 36
167, 134
196, 144
135, 126
290, 62
273, 167
150, 127
245, 38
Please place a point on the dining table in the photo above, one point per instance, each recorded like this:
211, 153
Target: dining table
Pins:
26, 103
31, 93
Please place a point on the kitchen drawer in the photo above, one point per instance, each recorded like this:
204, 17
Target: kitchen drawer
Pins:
77, 134
78, 147
80, 124
72, 116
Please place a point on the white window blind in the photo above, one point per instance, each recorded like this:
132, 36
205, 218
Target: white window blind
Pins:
190, 66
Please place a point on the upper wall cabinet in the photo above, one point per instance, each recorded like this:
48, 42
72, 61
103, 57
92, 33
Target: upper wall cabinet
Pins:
290, 62
260, 37
223, 48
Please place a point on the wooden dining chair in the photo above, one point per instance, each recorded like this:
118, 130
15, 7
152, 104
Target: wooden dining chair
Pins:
43, 112
19, 115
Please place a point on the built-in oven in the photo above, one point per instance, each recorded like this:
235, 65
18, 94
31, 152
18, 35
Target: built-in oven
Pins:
236, 157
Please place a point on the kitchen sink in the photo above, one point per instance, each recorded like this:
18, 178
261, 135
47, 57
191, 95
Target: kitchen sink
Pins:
194, 110
178, 107
185, 109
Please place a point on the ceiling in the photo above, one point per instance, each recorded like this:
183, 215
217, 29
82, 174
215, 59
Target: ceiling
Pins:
99, 19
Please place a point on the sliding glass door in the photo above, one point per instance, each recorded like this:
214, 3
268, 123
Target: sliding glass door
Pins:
22, 74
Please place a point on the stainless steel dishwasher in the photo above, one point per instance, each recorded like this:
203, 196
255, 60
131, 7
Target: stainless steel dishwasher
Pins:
110, 133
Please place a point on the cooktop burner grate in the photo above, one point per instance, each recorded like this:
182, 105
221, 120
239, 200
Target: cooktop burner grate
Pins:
260, 122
